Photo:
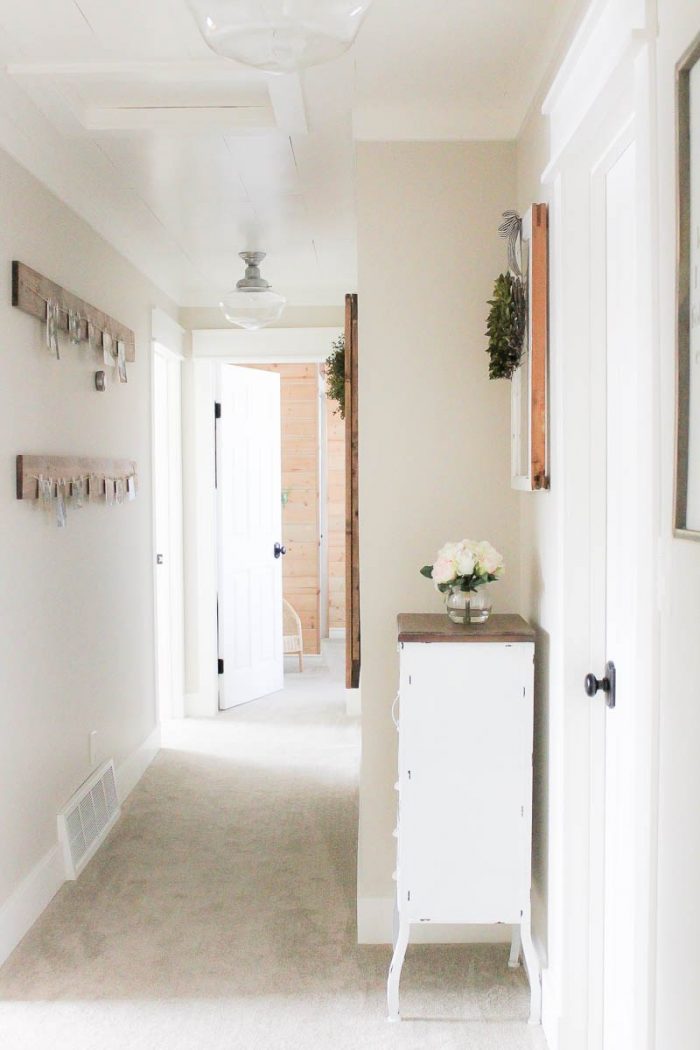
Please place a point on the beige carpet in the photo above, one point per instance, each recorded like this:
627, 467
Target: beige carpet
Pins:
221, 912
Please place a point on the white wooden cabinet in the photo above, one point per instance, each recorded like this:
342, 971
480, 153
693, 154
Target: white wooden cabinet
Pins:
465, 715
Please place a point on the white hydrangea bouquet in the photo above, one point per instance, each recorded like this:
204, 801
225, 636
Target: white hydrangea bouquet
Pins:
459, 570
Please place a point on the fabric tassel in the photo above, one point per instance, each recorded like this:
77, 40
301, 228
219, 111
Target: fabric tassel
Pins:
60, 504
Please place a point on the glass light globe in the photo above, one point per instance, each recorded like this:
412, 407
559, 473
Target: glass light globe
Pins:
252, 303
252, 309
279, 36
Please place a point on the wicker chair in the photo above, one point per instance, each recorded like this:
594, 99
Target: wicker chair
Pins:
293, 637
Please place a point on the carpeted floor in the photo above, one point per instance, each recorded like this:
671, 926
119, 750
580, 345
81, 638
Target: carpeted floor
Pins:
221, 911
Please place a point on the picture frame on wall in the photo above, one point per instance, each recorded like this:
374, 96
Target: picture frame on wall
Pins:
687, 480
529, 408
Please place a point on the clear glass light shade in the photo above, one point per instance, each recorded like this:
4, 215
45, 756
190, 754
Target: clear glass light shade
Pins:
279, 36
252, 309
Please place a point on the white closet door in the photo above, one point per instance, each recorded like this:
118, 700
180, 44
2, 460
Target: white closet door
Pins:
249, 486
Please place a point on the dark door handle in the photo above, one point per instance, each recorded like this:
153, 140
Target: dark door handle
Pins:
605, 685
279, 550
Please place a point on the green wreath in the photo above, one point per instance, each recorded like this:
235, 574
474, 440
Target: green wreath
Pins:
505, 327
335, 374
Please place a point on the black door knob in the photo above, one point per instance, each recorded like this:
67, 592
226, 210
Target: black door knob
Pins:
605, 685
594, 684
279, 550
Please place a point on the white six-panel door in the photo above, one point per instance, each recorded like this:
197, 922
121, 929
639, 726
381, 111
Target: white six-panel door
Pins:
249, 487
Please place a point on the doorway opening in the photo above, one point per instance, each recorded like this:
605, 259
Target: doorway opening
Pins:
280, 482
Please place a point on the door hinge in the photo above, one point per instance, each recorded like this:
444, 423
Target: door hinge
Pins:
220, 664
217, 410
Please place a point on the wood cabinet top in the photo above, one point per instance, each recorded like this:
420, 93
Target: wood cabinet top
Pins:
437, 627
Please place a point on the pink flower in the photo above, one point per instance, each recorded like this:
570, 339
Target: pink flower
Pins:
443, 571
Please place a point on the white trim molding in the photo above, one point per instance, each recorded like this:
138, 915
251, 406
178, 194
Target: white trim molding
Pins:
166, 331
267, 344
353, 703
611, 30
132, 768
23, 907
37, 889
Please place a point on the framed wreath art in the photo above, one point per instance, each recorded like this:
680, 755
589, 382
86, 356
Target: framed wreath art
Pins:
517, 341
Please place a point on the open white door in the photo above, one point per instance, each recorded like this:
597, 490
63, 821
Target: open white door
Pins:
249, 486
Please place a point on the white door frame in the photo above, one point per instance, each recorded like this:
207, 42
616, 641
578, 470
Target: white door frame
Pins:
167, 343
211, 347
609, 65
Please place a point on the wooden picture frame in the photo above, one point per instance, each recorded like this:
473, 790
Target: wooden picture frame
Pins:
529, 410
686, 523
352, 518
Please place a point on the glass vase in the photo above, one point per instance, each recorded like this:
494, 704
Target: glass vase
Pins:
465, 607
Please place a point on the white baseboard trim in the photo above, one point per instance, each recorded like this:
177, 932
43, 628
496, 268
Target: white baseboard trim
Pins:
375, 924
198, 705
336, 634
353, 708
23, 907
132, 768
37, 889
550, 1010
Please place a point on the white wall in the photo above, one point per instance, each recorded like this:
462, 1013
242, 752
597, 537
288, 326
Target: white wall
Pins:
433, 430
76, 644
678, 961
677, 924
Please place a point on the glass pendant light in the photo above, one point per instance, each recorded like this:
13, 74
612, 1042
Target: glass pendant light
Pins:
252, 303
279, 36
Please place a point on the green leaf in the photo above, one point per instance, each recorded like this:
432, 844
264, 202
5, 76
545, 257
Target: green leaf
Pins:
506, 326
427, 570
335, 374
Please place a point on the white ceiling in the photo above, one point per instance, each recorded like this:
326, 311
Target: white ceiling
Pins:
182, 159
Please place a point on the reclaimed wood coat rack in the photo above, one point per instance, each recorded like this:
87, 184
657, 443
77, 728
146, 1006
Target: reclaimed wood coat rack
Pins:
67, 469
31, 292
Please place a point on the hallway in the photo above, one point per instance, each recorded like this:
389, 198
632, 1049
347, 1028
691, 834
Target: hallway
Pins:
221, 911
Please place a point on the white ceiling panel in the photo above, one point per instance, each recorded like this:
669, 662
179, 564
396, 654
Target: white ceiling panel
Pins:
39, 32
266, 165
182, 159
144, 29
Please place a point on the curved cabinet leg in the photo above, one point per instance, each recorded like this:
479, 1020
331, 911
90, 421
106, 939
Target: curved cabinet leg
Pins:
392, 987
532, 965
515, 948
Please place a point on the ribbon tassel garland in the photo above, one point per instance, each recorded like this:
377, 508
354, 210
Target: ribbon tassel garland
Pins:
56, 495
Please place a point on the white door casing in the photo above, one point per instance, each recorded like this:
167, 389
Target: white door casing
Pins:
250, 522
167, 531
603, 212
161, 501
598, 992
616, 475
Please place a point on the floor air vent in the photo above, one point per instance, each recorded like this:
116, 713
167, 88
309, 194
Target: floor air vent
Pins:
83, 824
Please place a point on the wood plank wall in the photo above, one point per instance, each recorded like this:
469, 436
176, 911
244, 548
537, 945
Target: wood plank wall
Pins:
335, 482
300, 474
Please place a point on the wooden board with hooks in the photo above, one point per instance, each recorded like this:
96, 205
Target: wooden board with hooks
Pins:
67, 468
31, 292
